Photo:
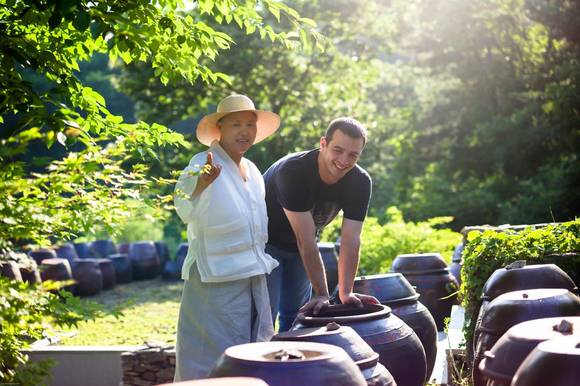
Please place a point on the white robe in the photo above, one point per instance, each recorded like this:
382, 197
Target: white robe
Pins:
227, 224
225, 296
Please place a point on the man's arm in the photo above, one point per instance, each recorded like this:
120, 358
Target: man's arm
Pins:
304, 229
348, 263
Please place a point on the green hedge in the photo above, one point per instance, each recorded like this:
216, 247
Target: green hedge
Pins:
382, 242
490, 250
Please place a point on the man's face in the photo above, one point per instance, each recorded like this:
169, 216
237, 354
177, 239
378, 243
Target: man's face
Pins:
338, 156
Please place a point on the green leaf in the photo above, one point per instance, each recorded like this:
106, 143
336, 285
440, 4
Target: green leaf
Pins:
82, 21
55, 19
274, 10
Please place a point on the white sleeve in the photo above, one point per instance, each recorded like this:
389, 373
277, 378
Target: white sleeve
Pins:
185, 206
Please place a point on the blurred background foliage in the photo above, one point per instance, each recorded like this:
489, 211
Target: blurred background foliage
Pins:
472, 107
381, 242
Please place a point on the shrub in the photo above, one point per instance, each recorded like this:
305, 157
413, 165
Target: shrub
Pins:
28, 313
381, 243
490, 250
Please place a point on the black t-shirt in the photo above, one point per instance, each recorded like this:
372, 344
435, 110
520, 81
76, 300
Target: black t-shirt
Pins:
294, 183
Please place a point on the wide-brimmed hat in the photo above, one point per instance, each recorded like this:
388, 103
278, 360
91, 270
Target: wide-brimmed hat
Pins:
208, 130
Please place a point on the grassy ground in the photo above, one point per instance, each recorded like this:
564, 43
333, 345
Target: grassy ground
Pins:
149, 308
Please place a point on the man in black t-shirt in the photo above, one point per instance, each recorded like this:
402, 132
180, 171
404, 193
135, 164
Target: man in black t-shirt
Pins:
304, 192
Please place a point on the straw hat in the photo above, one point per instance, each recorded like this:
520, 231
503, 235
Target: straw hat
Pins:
208, 130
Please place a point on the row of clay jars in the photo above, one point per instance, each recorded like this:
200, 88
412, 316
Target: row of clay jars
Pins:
145, 256
505, 359
503, 307
386, 351
18, 272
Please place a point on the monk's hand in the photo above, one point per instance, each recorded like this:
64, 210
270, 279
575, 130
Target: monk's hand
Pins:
358, 300
210, 171
315, 305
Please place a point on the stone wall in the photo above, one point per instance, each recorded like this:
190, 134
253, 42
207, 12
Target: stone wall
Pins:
152, 365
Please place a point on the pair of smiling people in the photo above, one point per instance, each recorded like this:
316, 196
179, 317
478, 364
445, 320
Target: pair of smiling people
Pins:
253, 253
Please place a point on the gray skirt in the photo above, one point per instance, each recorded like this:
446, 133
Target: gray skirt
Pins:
215, 316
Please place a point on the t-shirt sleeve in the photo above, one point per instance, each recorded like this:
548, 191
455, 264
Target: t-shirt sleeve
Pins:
291, 189
357, 199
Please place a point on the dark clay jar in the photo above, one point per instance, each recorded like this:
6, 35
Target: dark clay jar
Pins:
103, 248
83, 250
457, 262
289, 364
123, 248
330, 261
88, 277
162, 252
399, 348
429, 274
144, 260
554, 362
56, 270
42, 253
123, 268
227, 381
108, 272
10, 270
346, 338
501, 362
172, 268
393, 290
30, 274
67, 251
515, 307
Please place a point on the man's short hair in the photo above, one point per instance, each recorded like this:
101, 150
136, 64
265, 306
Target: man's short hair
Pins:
348, 126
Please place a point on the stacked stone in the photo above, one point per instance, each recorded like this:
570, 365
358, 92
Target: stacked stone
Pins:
152, 365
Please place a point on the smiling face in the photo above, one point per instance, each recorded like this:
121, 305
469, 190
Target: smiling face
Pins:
238, 132
338, 156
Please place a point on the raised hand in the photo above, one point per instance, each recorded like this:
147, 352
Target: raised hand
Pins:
209, 173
